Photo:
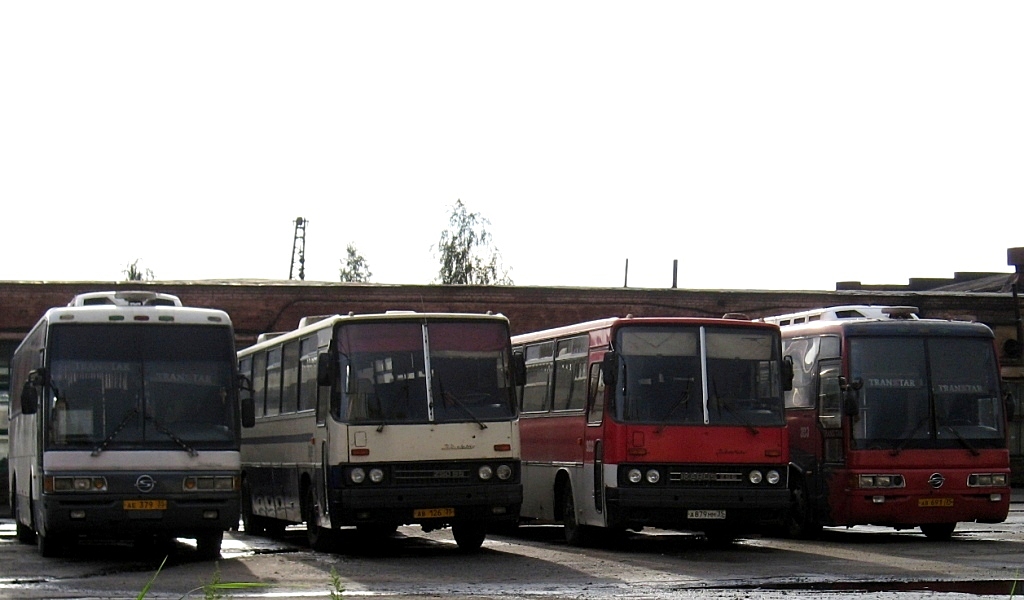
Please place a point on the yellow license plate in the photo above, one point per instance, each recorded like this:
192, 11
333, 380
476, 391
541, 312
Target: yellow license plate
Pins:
944, 502
433, 513
145, 505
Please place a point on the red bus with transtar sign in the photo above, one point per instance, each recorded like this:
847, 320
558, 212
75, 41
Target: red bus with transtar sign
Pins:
674, 423
894, 421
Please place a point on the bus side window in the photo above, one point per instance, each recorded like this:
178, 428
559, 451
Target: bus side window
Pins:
539, 364
830, 396
595, 401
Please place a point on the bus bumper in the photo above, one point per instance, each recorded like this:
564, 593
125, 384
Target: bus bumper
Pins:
696, 509
911, 510
428, 505
107, 517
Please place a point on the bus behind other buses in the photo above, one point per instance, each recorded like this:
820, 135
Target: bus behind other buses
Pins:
674, 423
894, 421
126, 423
376, 421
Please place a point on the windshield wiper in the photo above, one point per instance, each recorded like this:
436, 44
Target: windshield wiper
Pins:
174, 438
380, 409
683, 400
899, 446
720, 402
963, 441
458, 403
124, 421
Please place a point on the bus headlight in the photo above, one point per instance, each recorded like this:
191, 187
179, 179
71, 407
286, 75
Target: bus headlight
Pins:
987, 480
880, 481
773, 477
485, 472
653, 476
357, 475
634, 476
75, 484
755, 477
504, 472
376, 475
206, 483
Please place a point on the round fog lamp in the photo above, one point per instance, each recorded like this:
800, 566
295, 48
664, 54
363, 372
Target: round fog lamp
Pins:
634, 475
755, 476
504, 472
376, 475
357, 475
653, 476
773, 477
485, 472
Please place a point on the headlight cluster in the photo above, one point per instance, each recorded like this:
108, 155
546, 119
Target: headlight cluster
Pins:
635, 475
77, 484
772, 477
486, 472
653, 475
987, 480
210, 483
359, 475
881, 481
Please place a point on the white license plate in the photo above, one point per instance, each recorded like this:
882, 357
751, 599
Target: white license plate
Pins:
705, 514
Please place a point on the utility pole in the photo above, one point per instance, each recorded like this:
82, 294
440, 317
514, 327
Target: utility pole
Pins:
299, 250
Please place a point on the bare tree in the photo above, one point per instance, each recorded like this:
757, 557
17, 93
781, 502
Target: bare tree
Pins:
354, 269
134, 272
466, 253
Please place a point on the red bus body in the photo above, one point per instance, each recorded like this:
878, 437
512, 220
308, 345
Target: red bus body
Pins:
873, 436
704, 442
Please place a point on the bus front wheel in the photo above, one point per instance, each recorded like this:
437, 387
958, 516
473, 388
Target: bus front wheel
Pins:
938, 531
575, 534
469, 535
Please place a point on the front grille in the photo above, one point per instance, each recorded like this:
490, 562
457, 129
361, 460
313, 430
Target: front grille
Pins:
433, 474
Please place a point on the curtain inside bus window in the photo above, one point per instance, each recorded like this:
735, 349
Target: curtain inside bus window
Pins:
744, 382
660, 375
383, 374
471, 371
966, 389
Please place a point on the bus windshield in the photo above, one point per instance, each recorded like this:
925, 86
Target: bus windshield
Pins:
134, 386
699, 376
926, 393
384, 372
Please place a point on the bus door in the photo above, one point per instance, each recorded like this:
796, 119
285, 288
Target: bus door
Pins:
830, 428
593, 457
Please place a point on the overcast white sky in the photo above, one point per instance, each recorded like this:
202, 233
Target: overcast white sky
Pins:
764, 145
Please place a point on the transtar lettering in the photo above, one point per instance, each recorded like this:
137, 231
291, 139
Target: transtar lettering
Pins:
894, 382
458, 446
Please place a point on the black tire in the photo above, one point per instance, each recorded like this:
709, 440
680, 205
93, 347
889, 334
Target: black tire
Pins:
26, 534
939, 532
208, 545
575, 534
469, 535
50, 546
318, 538
801, 521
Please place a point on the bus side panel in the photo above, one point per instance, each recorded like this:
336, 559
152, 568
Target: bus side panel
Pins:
552, 442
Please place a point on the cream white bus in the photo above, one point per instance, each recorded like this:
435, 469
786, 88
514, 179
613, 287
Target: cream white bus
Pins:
379, 420
126, 422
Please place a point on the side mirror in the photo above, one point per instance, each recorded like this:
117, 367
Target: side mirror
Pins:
325, 372
244, 383
610, 367
851, 396
787, 373
248, 409
29, 398
518, 368
1009, 405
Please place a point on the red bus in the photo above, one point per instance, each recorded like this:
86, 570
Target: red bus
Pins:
894, 421
674, 423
